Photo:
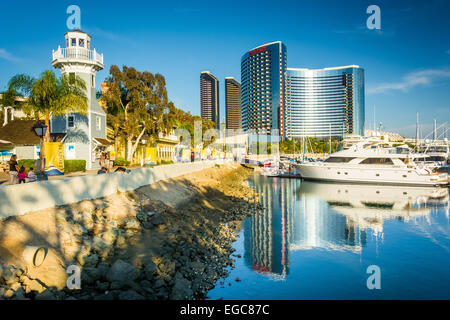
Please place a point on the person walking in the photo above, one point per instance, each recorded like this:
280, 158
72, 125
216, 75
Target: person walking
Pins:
22, 175
37, 165
107, 159
13, 169
102, 159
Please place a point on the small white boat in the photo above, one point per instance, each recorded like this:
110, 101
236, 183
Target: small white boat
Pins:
373, 164
271, 169
270, 172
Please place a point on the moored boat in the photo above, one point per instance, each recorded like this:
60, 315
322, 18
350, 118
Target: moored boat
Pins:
363, 163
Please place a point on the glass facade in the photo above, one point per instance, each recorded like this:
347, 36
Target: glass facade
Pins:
263, 89
324, 102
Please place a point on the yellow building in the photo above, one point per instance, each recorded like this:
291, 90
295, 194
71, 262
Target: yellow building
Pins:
161, 148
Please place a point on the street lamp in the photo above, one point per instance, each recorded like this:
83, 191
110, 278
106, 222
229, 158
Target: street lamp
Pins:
144, 140
41, 129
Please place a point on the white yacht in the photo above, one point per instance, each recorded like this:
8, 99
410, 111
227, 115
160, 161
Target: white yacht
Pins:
372, 163
438, 155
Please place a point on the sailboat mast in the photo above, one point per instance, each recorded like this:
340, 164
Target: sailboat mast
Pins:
417, 129
374, 122
435, 131
330, 139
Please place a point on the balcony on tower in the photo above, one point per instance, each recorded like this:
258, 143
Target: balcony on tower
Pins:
78, 50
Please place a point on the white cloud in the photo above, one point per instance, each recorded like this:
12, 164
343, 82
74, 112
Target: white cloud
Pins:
413, 79
363, 30
7, 55
112, 36
97, 32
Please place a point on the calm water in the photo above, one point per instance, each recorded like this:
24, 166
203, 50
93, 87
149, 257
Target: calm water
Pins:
316, 240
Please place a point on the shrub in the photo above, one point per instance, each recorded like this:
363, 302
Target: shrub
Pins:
27, 163
166, 162
74, 165
121, 162
69, 165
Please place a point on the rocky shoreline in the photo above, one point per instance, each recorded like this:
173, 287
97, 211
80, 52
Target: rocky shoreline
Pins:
134, 247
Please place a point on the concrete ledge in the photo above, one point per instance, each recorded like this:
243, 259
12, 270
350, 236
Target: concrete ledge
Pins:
20, 199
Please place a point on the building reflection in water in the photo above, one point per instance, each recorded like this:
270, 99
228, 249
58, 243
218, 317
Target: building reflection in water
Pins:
301, 215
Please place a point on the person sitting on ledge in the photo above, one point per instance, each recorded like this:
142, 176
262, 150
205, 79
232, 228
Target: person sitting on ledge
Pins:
121, 169
103, 170
31, 175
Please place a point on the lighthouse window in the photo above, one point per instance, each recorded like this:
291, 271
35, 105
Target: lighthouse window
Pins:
73, 42
70, 121
99, 123
81, 43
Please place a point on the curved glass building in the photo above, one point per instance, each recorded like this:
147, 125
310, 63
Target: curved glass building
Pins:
324, 102
263, 88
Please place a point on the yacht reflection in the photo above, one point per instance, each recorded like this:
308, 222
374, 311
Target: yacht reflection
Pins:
305, 215
367, 206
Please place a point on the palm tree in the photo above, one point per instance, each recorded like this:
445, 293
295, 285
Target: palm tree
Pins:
9, 98
49, 95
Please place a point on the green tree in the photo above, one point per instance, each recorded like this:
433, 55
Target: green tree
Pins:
114, 118
49, 95
184, 120
137, 103
10, 98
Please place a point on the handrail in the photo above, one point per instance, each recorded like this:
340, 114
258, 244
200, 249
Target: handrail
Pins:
77, 53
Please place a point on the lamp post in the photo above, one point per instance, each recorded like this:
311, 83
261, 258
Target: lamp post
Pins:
40, 129
144, 140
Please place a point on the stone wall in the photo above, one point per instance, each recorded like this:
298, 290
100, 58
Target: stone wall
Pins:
20, 199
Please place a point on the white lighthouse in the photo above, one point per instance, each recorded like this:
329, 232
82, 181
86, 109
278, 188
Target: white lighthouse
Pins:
85, 136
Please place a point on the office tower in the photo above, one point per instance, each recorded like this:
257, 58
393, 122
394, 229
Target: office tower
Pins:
209, 97
232, 103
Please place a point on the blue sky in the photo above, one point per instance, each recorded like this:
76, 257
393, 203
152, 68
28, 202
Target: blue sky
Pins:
407, 62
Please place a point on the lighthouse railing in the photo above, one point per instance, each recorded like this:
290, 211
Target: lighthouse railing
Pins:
77, 53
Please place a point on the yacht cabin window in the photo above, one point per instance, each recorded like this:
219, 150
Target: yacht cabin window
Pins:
339, 159
384, 161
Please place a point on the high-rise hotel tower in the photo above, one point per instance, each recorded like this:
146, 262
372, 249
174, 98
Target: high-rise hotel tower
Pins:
209, 97
263, 88
299, 102
232, 103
